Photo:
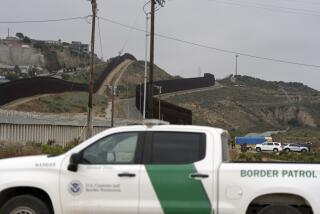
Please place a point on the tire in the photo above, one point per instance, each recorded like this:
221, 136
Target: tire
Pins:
275, 150
303, 150
258, 149
283, 209
24, 204
287, 150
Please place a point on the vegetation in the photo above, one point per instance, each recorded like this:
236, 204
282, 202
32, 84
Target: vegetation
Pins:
82, 76
253, 105
71, 102
32, 71
134, 75
51, 56
52, 62
17, 69
9, 149
282, 157
20, 36
27, 40
12, 76
299, 135
23, 38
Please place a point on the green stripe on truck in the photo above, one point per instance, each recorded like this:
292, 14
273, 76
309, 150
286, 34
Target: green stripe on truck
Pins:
176, 191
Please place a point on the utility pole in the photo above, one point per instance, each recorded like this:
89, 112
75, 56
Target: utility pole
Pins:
113, 90
153, 10
159, 103
153, 3
145, 68
90, 84
140, 99
237, 55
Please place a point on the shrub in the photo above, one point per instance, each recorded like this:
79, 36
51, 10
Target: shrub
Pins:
8, 149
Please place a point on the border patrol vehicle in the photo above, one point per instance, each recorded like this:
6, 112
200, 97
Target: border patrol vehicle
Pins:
156, 169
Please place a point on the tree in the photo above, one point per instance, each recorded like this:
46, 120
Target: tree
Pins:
17, 69
65, 76
32, 71
40, 45
27, 40
20, 36
65, 44
52, 61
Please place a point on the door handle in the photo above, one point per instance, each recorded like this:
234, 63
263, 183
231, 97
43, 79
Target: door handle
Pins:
126, 174
197, 175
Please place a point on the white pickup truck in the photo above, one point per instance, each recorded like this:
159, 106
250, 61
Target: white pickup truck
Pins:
162, 169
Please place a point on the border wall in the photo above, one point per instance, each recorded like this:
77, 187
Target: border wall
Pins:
170, 86
47, 85
170, 112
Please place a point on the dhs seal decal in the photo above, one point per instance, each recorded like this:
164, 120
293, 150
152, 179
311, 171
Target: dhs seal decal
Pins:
75, 188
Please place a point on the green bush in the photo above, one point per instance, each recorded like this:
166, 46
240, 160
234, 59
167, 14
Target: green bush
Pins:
307, 157
248, 156
8, 150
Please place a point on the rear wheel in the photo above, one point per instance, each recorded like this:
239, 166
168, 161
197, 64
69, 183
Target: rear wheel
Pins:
281, 209
24, 204
258, 149
303, 150
275, 150
287, 150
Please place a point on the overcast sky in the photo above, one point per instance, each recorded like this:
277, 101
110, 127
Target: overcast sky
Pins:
265, 28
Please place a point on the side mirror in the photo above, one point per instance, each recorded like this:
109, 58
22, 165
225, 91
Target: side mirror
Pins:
75, 159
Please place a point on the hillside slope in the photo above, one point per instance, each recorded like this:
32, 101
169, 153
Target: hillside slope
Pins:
20, 56
38, 53
253, 105
134, 75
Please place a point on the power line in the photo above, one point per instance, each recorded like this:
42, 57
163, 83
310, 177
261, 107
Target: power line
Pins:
304, 2
213, 48
269, 7
129, 32
45, 21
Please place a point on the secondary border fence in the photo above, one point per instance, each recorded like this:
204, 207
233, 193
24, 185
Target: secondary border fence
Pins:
60, 134
41, 128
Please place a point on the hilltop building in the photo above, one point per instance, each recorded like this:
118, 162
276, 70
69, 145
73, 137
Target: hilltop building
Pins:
79, 47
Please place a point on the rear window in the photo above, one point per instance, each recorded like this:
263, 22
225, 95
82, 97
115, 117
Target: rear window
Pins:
177, 147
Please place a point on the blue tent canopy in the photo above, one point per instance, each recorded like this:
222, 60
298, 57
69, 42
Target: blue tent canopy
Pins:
250, 140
